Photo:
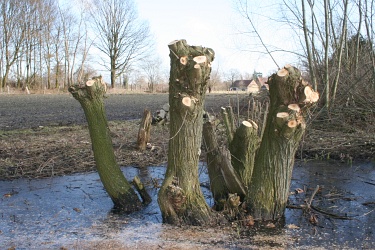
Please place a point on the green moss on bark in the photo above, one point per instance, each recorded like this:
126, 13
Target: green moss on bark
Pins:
90, 96
180, 198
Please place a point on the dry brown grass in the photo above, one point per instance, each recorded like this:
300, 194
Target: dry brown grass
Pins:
51, 151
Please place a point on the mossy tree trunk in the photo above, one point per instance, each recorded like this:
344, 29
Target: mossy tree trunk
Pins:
264, 167
180, 198
290, 99
90, 96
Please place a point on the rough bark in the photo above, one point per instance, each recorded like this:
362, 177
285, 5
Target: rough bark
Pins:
285, 125
242, 148
228, 119
180, 198
144, 130
223, 178
214, 159
146, 198
119, 189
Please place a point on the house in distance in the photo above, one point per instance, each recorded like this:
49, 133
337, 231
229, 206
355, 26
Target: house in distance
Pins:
251, 86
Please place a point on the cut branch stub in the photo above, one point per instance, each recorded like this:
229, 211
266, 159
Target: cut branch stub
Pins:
247, 124
186, 101
282, 118
228, 125
183, 60
200, 59
89, 83
242, 148
294, 107
308, 95
175, 46
314, 97
292, 123
231, 117
215, 160
253, 124
282, 72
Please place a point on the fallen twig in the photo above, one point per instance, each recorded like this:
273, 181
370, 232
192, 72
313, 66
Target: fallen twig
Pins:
369, 183
368, 203
335, 216
312, 197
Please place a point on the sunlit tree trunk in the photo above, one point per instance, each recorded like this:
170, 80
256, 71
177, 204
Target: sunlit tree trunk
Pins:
370, 35
343, 39
90, 97
309, 50
358, 36
13, 34
326, 55
290, 99
180, 198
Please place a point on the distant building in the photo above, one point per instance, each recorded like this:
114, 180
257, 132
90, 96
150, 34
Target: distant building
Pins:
240, 85
250, 86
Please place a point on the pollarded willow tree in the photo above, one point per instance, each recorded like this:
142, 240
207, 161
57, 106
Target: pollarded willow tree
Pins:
259, 169
90, 96
254, 169
290, 100
180, 197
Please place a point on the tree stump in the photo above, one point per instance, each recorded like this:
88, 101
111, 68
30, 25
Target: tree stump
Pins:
144, 130
290, 99
90, 96
223, 178
180, 198
264, 164
243, 148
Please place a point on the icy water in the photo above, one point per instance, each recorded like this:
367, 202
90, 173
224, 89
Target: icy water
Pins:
74, 212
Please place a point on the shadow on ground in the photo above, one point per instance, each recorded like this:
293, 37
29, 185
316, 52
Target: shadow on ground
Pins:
74, 212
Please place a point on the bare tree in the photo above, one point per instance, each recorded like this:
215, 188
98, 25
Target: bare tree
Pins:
50, 20
370, 32
13, 35
308, 50
151, 69
340, 48
215, 79
232, 75
121, 36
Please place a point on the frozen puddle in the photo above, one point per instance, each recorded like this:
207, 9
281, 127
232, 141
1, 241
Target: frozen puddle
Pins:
74, 212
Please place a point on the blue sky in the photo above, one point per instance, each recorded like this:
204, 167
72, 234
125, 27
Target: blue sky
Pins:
210, 23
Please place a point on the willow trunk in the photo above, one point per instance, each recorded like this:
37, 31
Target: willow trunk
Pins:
290, 98
90, 96
180, 198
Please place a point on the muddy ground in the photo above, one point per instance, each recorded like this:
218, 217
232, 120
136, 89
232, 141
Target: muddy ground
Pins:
44, 205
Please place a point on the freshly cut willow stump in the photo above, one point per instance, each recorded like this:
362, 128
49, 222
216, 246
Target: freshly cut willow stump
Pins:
180, 198
290, 100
